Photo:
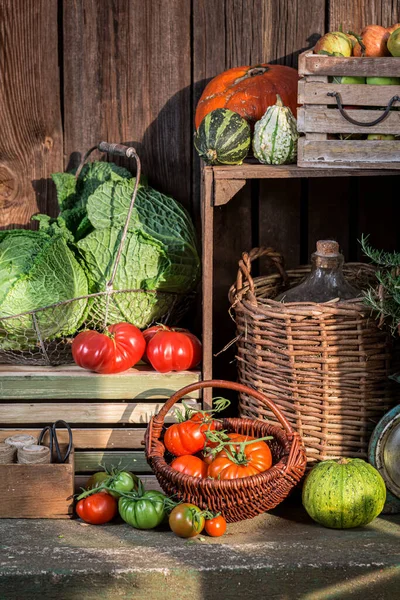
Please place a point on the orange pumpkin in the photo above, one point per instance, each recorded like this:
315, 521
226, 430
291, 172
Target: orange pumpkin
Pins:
374, 38
249, 91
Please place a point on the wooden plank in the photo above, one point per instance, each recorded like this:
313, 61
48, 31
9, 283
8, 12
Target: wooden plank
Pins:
30, 126
355, 15
149, 481
88, 462
363, 95
317, 64
207, 213
71, 382
225, 189
116, 412
125, 80
312, 119
85, 439
253, 170
352, 153
37, 491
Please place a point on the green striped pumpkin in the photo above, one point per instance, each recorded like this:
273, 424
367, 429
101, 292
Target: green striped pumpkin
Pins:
343, 494
275, 136
223, 138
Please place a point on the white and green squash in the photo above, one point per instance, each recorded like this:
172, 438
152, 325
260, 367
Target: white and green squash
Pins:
343, 494
275, 136
223, 138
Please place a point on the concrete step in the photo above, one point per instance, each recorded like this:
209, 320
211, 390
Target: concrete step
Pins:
281, 555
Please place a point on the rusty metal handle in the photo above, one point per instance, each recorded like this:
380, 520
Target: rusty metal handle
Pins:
244, 271
344, 114
157, 422
116, 149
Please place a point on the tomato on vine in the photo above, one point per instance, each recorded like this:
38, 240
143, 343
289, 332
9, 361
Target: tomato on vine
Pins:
241, 456
186, 520
97, 509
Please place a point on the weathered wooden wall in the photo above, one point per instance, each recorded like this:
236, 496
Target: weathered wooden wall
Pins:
73, 72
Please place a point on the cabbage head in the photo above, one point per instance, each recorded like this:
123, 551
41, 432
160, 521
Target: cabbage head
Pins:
38, 269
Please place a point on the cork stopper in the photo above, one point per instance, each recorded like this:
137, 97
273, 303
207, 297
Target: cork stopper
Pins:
327, 248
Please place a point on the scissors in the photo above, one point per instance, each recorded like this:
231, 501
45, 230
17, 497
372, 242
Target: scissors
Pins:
53, 440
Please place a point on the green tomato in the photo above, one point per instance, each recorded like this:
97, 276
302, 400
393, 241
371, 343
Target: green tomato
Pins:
349, 80
120, 481
383, 80
143, 512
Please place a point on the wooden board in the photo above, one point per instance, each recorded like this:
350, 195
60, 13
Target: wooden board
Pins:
91, 438
355, 15
149, 481
91, 413
71, 382
30, 124
89, 462
37, 491
310, 92
317, 64
127, 75
326, 120
350, 153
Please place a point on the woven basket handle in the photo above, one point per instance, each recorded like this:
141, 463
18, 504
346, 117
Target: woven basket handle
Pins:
157, 422
244, 271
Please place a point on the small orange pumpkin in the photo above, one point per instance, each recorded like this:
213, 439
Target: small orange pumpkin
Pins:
249, 91
374, 38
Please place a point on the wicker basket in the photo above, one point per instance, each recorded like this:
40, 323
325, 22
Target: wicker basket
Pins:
236, 499
326, 366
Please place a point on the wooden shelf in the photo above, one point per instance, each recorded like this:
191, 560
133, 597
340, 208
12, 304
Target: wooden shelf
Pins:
73, 383
227, 181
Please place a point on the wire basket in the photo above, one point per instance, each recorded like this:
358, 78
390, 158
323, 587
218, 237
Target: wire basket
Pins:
36, 337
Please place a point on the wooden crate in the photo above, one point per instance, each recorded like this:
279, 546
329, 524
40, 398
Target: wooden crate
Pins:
108, 414
37, 491
319, 115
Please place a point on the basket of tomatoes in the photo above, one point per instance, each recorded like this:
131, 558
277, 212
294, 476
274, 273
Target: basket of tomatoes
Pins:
237, 467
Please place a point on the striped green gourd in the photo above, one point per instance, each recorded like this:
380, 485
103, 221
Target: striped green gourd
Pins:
343, 494
223, 138
275, 135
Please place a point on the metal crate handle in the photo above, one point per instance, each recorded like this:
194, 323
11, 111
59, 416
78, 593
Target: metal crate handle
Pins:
344, 114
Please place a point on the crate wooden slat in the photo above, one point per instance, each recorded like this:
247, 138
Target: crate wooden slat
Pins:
37, 491
135, 461
71, 382
321, 120
149, 481
116, 412
90, 439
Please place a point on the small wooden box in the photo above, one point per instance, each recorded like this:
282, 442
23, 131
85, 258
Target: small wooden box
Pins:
37, 491
319, 115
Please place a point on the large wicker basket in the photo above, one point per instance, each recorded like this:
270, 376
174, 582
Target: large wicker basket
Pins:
236, 499
326, 366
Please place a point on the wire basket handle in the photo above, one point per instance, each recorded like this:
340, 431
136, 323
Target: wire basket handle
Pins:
244, 271
128, 152
157, 422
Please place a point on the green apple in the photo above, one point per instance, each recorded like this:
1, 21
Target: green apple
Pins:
380, 136
349, 80
393, 43
383, 80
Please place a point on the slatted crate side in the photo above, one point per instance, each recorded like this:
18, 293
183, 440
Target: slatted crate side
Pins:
319, 117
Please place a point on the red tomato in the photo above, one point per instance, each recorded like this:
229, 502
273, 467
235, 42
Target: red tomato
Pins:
187, 437
113, 352
191, 465
97, 509
174, 351
254, 459
216, 526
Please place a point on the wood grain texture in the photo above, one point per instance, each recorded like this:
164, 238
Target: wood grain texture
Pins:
361, 95
331, 65
90, 413
87, 462
30, 123
331, 121
352, 153
149, 481
90, 439
356, 14
253, 170
37, 491
73, 383
127, 79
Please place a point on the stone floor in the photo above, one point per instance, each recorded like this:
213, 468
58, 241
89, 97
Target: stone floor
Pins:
281, 555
